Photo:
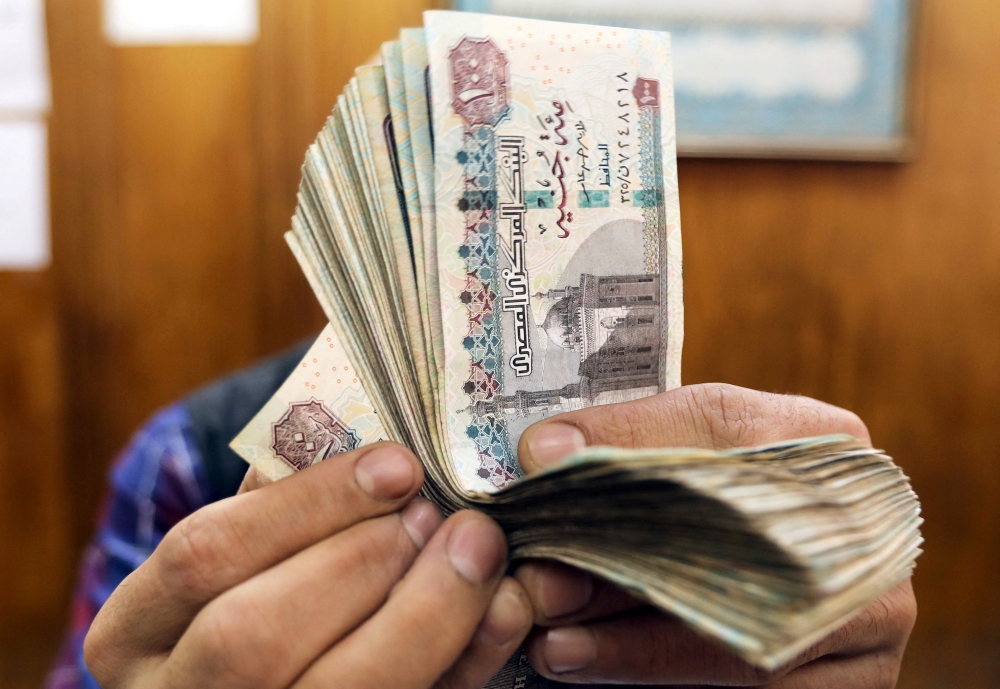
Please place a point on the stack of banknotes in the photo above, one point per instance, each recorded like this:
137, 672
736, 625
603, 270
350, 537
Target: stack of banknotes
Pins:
490, 220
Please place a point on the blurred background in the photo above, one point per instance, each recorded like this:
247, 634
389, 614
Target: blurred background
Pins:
173, 163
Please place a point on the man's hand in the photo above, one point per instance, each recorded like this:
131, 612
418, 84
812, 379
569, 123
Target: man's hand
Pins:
594, 632
337, 576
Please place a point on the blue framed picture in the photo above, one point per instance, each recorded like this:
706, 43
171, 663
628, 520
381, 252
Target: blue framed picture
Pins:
771, 78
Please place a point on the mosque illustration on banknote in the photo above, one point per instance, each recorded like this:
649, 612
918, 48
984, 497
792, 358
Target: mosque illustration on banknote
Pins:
613, 323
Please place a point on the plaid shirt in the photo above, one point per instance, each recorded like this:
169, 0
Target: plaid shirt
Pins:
157, 481
176, 464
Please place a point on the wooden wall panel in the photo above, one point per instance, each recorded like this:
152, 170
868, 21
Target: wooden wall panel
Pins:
32, 490
186, 201
155, 227
308, 51
35, 558
84, 242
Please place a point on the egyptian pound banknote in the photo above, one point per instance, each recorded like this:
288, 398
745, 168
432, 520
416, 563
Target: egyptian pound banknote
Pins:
558, 226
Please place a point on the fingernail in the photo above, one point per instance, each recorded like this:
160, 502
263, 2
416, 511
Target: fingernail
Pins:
477, 550
553, 442
385, 473
421, 519
569, 649
507, 617
564, 591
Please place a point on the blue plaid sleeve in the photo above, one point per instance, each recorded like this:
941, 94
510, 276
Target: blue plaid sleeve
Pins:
156, 482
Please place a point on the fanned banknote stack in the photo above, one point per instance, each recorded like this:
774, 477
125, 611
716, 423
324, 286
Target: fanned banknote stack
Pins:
490, 220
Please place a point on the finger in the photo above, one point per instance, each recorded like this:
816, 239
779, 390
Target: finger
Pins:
641, 647
714, 416
507, 623
253, 480
562, 595
224, 544
646, 646
872, 671
430, 618
884, 625
265, 632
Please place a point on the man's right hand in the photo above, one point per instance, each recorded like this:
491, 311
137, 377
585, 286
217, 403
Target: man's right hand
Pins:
337, 576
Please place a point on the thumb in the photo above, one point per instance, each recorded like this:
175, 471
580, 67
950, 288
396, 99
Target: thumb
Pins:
713, 416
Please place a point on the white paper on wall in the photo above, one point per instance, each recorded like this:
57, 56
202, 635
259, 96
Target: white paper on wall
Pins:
24, 195
769, 66
24, 77
160, 22
811, 12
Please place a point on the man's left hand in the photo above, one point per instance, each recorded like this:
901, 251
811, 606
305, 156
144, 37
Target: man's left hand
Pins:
592, 632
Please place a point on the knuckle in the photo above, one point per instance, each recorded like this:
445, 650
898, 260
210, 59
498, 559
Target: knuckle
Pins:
383, 549
625, 424
731, 416
223, 636
740, 419
212, 633
110, 647
853, 425
812, 417
197, 552
713, 415
97, 654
